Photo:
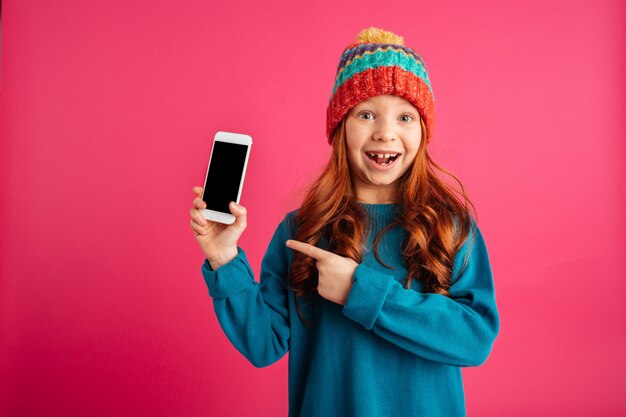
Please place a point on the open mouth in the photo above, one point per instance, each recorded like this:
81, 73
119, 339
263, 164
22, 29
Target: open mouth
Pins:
382, 159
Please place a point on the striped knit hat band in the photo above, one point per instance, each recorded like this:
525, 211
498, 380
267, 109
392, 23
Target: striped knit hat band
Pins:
379, 63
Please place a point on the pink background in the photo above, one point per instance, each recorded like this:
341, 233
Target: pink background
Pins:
108, 110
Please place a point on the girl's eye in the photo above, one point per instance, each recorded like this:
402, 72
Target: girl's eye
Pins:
407, 117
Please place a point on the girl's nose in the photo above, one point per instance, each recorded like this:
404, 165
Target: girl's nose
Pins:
385, 131
384, 135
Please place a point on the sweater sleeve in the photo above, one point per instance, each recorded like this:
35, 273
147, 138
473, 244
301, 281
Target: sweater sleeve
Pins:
458, 330
254, 316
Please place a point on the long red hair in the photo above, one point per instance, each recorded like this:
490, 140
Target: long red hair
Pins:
428, 209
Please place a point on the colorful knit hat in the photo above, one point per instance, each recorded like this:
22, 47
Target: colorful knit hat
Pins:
379, 63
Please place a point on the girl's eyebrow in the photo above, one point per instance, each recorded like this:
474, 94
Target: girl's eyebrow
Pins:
402, 108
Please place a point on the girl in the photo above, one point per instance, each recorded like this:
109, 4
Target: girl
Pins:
379, 285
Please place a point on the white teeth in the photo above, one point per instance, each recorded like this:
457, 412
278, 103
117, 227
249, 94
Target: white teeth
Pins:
382, 155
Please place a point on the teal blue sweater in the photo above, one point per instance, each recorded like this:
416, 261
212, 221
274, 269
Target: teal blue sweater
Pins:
389, 351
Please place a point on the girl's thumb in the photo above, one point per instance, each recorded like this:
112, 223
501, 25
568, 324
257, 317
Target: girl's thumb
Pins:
240, 214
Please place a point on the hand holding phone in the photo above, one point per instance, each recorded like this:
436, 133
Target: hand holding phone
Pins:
218, 241
217, 218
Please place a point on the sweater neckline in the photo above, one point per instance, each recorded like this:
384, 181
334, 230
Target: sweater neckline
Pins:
377, 204
380, 210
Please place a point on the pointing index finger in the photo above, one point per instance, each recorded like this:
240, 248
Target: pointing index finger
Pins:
305, 248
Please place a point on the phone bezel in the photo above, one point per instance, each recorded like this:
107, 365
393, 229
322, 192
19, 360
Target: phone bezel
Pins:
228, 137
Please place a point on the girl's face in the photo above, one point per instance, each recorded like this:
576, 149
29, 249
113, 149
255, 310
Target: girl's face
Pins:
383, 134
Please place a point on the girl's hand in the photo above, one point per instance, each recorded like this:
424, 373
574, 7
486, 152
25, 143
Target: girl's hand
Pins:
335, 272
218, 241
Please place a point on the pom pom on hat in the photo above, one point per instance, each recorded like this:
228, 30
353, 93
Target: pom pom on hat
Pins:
376, 63
375, 35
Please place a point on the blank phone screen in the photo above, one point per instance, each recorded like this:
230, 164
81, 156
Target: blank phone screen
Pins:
224, 176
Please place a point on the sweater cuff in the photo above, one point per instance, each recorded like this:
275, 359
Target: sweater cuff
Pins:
230, 278
369, 290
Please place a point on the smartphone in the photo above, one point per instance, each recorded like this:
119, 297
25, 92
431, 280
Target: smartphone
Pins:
225, 174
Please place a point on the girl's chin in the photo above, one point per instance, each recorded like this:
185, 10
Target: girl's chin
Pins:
376, 180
